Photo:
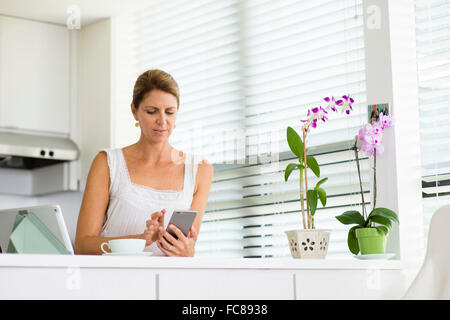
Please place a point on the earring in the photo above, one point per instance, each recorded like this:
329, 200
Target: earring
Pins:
136, 124
174, 126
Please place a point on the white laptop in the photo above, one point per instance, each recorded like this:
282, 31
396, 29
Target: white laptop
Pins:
49, 215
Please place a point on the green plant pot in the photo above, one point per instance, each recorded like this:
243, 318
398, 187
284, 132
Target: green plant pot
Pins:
371, 240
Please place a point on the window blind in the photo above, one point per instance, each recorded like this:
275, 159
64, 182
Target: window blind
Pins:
291, 59
251, 207
247, 70
124, 71
198, 43
433, 65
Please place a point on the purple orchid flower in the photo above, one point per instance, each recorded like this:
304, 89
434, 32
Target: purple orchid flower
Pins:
346, 103
319, 112
331, 103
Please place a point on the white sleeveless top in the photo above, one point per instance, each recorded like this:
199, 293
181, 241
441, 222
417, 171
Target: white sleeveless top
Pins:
131, 205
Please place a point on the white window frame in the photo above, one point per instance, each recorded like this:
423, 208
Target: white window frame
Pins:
391, 75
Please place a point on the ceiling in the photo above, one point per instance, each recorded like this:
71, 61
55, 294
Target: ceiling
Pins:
55, 11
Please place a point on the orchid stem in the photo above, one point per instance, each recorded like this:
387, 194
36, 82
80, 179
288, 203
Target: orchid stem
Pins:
374, 179
306, 180
355, 149
302, 199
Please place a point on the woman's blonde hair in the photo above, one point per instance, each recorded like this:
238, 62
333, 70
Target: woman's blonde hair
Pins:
154, 80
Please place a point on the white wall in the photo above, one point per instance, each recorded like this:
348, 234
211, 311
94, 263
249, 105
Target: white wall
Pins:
11, 201
94, 91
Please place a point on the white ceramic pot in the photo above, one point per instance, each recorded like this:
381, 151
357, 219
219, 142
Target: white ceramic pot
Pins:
308, 243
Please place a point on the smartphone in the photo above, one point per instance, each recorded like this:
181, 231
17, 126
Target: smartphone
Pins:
183, 220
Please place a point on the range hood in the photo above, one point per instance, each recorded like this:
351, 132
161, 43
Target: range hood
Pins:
30, 151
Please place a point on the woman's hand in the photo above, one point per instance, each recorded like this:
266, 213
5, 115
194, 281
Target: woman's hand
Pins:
181, 247
154, 227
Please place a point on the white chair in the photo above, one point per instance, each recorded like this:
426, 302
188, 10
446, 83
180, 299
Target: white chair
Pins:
433, 279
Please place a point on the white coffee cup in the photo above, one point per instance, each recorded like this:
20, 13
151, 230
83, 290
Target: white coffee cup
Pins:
124, 245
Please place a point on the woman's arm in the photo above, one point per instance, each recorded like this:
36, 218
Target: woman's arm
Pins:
93, 209
205, 173
185, 246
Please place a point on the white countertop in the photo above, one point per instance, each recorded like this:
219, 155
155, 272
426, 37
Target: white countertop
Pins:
90, 261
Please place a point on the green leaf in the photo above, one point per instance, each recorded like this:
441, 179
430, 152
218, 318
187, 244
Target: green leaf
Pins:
351, 217
352, 241
381, 220
382, 229
322, 196
295, 142
290, 167
311, 162
384, 212
312, 200
320, 182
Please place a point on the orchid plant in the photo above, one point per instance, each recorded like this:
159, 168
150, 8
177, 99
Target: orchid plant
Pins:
369, 138
297, 145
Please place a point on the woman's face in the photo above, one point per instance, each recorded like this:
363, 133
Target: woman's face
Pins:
156, 114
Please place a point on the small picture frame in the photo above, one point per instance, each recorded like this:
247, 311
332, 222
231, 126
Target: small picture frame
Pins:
374, 110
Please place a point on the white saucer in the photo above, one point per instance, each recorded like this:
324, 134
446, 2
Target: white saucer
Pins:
375, 256
144, 253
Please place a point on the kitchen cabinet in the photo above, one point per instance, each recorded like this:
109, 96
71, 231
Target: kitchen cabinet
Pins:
240, 284
369, 283
34, 76
74, 282
31, 276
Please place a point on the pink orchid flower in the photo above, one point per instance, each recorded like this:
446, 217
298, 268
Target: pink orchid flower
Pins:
371, 135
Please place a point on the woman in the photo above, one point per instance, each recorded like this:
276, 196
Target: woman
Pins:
132, 192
